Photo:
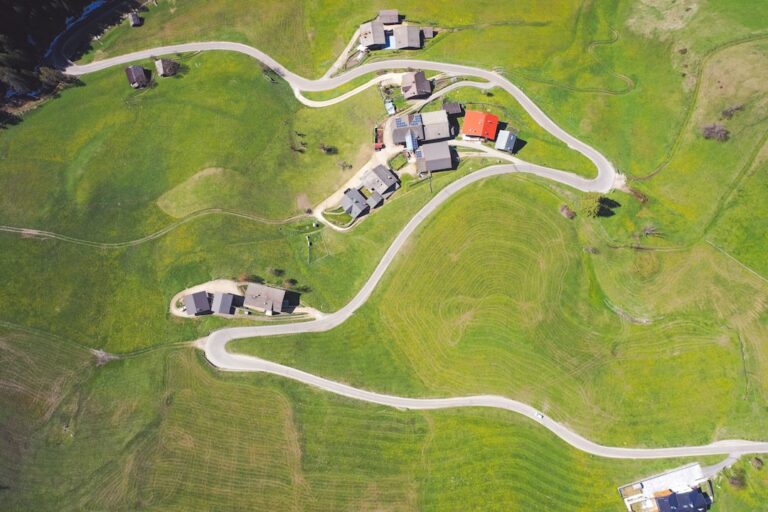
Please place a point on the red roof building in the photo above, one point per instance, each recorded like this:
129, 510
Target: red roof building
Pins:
480, 124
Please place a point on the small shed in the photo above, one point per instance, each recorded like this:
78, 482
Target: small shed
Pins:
434, 157
134, 19
166, 67
406, 37
415, 85
137, 76
389, 16
390, 106
506, 140
453, 108
354, 203
428, 32
197, 303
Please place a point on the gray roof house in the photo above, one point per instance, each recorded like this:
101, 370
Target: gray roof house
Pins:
434, 157
137, 76
406, 36
422, 127
436, 125
265, 298
389, 16
381, 180
415, 85
505, 140
374, 200
166, 67
222, 303
404, 125
372, 34
453, 108
354, 203
197, 303
134, 19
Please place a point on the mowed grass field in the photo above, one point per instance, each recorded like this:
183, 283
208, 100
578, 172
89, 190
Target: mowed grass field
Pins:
118, 164
188, 437
497, 294
117, 298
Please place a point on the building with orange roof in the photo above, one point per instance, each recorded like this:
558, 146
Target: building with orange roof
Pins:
480, 124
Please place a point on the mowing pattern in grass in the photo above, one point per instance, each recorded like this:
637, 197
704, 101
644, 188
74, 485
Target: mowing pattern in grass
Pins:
118, 298
99, 174
185, 437
497, 296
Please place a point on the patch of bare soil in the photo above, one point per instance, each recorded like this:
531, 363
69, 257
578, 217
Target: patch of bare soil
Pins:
302, 202
659, 18
102, 357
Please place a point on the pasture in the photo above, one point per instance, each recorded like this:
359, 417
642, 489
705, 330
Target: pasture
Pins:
187, 437
608, 329
222, 135
498, 295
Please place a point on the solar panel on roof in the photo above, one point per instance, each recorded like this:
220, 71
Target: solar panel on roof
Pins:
416, 119
400, 123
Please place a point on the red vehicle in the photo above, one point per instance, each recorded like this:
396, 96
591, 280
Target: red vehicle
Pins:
378, 138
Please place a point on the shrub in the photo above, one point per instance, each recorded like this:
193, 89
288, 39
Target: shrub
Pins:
717, 132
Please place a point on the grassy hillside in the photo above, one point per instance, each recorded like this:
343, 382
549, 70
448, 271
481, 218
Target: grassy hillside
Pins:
497, 294
629, 338
118, 164
117, 297
186, 437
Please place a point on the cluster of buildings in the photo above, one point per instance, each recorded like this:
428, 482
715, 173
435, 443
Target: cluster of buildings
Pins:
484, 126
388, 31
258, 297
139, 77
376, 185
682, 489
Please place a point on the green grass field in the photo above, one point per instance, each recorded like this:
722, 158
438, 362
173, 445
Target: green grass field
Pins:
126, 162
606, 329
509, 303
186, 436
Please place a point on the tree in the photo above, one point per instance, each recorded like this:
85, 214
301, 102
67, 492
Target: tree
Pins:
277, 272
290, 283
245, 277
590, 204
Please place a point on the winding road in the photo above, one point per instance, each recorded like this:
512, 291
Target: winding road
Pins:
607, 178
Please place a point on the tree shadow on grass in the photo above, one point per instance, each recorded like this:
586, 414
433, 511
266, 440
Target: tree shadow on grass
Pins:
607, 207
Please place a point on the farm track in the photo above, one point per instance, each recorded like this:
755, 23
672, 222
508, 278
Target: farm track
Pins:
36, 233
692, 106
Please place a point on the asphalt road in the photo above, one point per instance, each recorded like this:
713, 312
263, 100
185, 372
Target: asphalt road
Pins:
215, 344
606, 173
219, 357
